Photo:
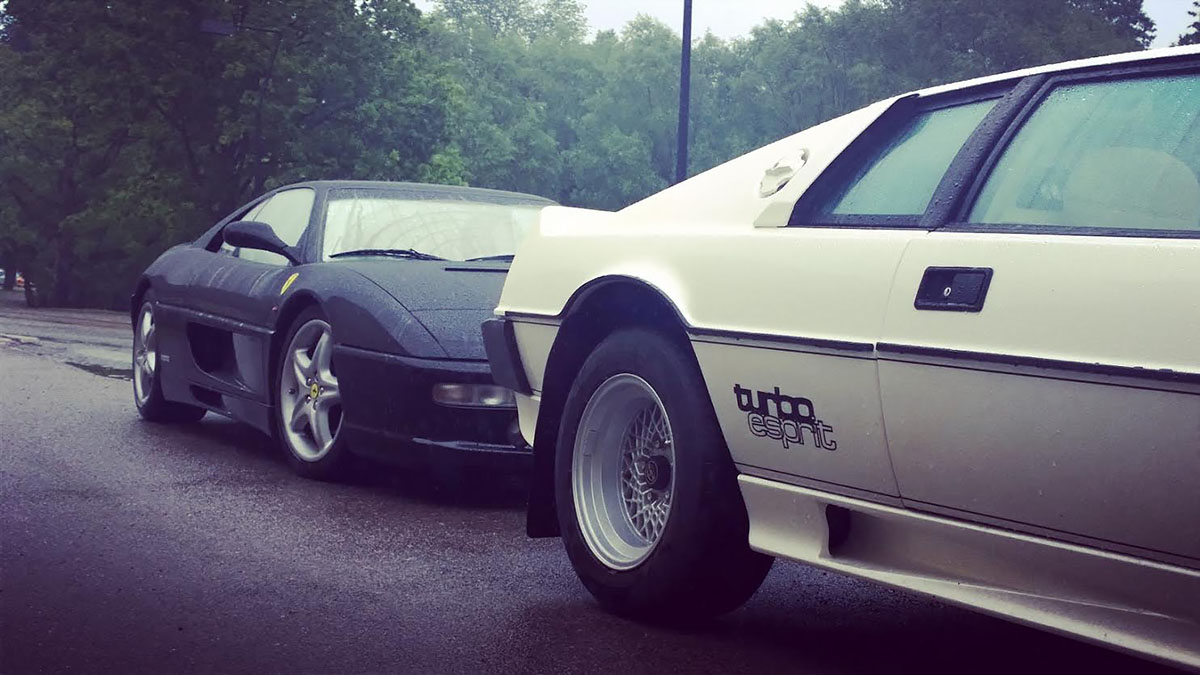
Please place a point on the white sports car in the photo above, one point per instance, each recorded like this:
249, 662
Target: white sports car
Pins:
949, 342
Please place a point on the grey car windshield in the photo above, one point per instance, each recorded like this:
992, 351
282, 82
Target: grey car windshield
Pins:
440, 224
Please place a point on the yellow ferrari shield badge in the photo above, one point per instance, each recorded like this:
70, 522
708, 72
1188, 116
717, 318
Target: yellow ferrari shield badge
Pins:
288, 283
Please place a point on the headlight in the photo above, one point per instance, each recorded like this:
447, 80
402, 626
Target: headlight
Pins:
474, 396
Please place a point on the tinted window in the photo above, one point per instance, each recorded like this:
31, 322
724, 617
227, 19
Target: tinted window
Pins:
287, 213
1119, 154
900, 177
456, 227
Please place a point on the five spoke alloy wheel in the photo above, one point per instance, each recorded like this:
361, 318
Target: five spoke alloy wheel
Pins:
623, 471
148, 365
145, 355
310, 404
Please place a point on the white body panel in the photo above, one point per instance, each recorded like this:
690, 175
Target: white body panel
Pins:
1101, 440
1149, 608
678, 243
840, 388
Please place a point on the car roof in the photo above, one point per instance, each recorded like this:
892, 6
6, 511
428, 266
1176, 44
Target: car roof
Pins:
1078, 64
452, 191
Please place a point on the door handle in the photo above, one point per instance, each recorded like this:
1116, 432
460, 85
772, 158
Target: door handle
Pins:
953, 289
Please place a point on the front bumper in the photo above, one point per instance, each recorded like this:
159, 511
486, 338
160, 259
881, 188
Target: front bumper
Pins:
389, 408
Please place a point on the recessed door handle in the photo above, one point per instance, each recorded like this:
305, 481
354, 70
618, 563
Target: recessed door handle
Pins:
953, 289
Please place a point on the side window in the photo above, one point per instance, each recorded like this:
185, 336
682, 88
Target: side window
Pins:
900, 176
287, 213
1116, 154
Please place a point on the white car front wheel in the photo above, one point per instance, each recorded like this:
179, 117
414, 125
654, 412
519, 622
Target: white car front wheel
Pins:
648, 502
622, 471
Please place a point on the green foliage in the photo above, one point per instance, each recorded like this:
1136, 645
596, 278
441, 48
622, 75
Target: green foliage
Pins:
124, 129
593, 123
529, 20
1192, 36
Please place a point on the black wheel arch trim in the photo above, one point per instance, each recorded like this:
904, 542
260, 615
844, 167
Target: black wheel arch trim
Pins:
135, 298
591, 287
541, 515
500, 343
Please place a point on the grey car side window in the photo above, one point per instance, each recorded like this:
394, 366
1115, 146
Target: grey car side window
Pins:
287, 213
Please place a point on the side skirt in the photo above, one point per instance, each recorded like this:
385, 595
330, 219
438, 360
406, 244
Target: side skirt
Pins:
1139, 606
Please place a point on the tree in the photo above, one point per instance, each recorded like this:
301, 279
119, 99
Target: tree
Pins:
528, 19
62, 130
125, 129
1126, 18
935, 41
1192, 36
498, 124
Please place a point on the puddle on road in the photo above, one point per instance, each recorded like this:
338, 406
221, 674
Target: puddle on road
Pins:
105, 371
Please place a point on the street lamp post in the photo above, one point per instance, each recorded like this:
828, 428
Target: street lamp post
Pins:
225, 29
685, 80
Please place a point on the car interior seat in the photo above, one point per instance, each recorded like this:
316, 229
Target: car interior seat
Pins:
1132, 188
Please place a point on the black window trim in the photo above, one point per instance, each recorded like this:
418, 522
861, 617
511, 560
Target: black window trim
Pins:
866, 143
976, 151
996, 144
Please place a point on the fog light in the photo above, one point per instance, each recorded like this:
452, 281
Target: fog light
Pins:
473, 396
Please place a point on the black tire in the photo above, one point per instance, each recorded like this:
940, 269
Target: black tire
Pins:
152, 406
336, 462
702, 565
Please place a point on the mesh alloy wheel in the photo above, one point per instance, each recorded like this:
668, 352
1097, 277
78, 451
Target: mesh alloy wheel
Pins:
622, 471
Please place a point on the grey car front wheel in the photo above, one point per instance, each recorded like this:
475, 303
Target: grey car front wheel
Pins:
308, 392
145, 354
148, 370
309, 400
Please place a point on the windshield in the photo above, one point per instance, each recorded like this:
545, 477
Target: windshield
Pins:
438, 224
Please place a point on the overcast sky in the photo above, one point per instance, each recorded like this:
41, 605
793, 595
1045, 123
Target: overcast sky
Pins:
734, 18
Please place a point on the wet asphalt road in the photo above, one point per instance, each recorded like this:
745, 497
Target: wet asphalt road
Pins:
96, 340
131, 547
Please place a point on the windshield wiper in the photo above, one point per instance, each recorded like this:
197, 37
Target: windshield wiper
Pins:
506, 256
409, 253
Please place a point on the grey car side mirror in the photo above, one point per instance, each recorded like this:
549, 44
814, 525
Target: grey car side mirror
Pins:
256, 235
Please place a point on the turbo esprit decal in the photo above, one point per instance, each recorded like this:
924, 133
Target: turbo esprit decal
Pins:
288, 283
783, 418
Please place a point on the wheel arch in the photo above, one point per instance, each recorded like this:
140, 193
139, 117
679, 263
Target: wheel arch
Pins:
296, 303
592, 313
135, 299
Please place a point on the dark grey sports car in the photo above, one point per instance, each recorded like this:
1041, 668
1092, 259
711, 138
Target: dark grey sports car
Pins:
337, 317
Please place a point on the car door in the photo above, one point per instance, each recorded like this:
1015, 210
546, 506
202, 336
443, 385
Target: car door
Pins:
232, 285
1040, 361
792, 371
233, 294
